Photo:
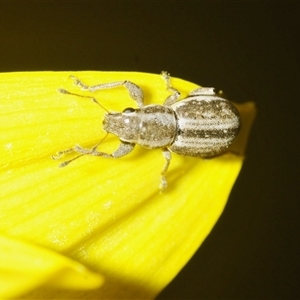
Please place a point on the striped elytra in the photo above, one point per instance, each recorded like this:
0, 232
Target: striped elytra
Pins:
201, 125
206, 126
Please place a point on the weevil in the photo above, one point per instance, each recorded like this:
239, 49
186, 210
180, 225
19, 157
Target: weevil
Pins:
201, 125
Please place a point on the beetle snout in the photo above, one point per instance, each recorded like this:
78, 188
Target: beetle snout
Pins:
105, 122
109, 117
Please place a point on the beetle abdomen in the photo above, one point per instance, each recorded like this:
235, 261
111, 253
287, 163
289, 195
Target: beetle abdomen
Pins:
206, 127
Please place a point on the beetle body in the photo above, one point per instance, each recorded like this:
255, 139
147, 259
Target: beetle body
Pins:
202, 125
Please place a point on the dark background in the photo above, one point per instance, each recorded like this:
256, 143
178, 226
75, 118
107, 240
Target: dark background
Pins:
250, 50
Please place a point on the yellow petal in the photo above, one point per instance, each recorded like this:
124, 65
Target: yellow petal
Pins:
24, 267
107, 214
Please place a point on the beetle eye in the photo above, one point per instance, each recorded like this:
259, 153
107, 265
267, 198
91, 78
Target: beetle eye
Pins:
128, 110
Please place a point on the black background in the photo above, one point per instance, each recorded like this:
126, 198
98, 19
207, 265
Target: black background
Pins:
250, 50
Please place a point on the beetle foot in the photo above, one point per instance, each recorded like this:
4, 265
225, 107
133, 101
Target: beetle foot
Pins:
163, 184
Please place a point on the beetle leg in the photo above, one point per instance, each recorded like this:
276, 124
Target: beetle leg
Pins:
203, 91
167, 155
123, 150
175, 93
62, 153
134, 91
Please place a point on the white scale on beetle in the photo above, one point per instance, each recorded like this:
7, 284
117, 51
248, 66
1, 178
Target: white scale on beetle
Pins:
202, 125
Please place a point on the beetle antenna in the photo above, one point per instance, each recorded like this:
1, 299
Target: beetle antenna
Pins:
63, 91
65, 163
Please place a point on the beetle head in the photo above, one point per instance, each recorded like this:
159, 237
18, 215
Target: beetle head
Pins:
125, 125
